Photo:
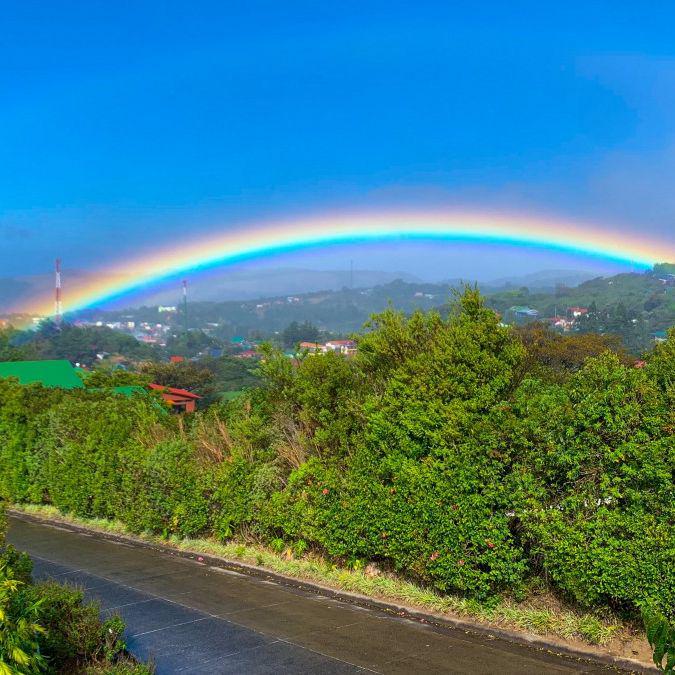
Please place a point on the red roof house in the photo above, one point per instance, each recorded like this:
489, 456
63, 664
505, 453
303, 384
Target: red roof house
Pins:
178, 399
342, 346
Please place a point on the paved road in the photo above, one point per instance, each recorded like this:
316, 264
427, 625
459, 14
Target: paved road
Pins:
192, 618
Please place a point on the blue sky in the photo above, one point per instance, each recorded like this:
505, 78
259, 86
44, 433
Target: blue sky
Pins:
124, 125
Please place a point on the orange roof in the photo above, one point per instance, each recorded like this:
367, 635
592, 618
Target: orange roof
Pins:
174, 391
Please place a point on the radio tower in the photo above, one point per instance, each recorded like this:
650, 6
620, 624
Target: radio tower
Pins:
185, 314
58, 307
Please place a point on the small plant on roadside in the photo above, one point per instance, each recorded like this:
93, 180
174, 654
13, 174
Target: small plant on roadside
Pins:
277, 545
661, 636
20, 631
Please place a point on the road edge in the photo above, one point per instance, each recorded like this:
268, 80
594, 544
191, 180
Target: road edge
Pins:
554, 646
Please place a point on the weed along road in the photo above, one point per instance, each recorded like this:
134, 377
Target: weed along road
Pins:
194, 618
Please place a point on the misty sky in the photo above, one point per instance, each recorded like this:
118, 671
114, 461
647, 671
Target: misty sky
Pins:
126, 125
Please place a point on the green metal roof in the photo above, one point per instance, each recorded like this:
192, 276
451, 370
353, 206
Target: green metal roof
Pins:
129, 390
47, 373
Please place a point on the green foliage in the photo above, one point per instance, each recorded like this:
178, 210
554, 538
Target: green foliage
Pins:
661, 636
10, 346
81, 344
189, 344
73, 633
299, 332
596, 475
184, 375
663, 269
47, 626
553, 357
452, 449
20, 629
230, 373
168, 494
102, 377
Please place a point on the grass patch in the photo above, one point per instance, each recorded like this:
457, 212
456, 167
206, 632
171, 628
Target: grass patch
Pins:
541, 614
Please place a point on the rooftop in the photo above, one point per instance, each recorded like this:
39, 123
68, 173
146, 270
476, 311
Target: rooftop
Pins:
56, 373
174, 391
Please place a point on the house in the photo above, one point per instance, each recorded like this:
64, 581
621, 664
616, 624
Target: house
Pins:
179, 399
54, 374
524, 312
313, 347
346, 347
576, 312
557, 322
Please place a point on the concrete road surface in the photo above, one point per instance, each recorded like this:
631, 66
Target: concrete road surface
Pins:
192, 618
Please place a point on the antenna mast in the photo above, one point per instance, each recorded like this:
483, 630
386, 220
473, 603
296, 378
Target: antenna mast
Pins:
185, 314
58, 307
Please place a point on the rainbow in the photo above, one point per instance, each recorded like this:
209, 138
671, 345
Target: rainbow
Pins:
264, 240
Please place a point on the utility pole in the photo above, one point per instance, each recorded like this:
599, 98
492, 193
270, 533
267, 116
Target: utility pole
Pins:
58, 306
185, 314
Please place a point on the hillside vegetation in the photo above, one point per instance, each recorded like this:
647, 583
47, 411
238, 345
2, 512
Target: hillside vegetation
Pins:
448, 451
632, 306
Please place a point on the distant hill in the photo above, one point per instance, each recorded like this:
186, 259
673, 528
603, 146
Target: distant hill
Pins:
542, 280
634, 305
220, 285
250, 284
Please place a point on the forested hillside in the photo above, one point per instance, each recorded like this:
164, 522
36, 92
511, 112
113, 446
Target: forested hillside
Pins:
633, 306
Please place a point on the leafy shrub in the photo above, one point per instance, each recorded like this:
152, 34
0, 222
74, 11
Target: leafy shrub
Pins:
598, 477
73, 633
170, 492
20, 629
661, 636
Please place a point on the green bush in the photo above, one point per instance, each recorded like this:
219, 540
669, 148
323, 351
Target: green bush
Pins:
598, 482
20, 628
73, 634
47, 627
661, 636
169, 494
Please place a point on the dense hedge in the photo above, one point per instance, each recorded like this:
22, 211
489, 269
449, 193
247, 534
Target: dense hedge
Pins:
434, 452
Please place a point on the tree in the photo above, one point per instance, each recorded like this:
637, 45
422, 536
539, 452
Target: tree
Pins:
10, 349
81, 344
299, 332
190, 344
553, 357
183, 375
101, 378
